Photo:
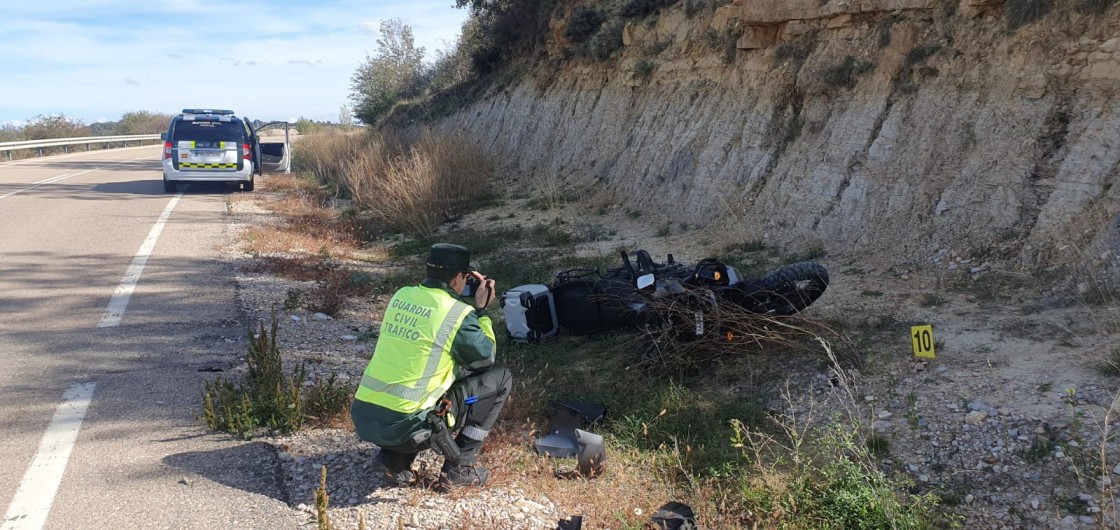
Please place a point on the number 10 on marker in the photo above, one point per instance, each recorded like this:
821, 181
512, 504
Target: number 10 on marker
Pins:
922, 337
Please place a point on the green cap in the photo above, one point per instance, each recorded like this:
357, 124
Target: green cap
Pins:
449, 257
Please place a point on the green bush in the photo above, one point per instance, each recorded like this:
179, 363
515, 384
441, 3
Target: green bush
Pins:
584, 23
1019, 13
265, 398
269, 398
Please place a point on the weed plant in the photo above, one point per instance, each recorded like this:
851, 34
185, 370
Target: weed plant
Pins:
268, 397
322, 502
810, 476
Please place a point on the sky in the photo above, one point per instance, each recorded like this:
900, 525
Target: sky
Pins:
94, 60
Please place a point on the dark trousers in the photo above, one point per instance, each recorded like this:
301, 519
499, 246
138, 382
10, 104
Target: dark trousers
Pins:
476, 403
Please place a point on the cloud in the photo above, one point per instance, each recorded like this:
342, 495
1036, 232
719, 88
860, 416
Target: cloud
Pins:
370, 27
169, 64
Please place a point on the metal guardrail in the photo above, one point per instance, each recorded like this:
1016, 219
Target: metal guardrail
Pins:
66, 142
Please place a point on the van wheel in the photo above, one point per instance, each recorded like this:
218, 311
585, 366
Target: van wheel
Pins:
169, 186
248, 185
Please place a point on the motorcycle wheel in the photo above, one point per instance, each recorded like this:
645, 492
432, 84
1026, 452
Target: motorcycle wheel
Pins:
790, 289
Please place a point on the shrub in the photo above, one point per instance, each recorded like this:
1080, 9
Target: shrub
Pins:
265, 398
844, 75
584, 23
1094, 7
884, 30
919, 55
1019, 13
641, 8
607, 41
798, 50
328, 401
643, 69
411, 185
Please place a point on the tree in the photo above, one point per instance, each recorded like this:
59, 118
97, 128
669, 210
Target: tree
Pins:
390, 75
345, 119
57, 126
143, 122
505, 28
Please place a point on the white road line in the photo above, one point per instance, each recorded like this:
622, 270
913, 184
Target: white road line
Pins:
123, 293
32, 502
65, 176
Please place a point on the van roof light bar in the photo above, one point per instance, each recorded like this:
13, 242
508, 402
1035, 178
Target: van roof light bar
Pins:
219, 112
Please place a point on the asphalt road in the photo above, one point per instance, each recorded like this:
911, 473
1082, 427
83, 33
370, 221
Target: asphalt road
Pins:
71, 228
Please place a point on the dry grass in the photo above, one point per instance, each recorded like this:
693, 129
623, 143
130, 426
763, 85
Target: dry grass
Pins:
410, 184
306, 223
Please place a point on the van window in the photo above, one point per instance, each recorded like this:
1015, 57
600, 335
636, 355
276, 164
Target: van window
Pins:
209, 131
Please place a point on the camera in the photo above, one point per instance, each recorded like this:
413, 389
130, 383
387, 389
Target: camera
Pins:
472, 286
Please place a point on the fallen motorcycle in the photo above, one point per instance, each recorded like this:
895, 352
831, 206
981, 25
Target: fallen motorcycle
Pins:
684, 300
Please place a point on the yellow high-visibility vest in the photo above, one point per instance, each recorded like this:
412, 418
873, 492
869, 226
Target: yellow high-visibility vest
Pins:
412, 364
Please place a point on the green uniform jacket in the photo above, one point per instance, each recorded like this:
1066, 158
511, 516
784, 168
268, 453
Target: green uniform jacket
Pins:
472, 350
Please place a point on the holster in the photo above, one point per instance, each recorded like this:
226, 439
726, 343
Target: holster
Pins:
441, 439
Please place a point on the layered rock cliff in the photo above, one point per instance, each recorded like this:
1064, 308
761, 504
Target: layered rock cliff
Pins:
895, 127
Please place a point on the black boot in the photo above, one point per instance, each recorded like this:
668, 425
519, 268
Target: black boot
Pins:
398, 466
465, 472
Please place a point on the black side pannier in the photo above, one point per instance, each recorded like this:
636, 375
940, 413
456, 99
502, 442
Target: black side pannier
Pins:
577, 309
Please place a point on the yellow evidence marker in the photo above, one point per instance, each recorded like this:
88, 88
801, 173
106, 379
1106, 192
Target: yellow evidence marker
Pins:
922, 338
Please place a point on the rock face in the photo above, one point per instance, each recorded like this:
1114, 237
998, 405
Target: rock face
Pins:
889, 126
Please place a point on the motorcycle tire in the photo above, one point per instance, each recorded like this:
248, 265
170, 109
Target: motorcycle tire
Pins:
781, 292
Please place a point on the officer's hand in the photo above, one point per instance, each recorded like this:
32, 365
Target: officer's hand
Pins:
485, 293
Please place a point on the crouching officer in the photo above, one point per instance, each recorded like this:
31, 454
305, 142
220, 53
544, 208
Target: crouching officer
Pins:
432, 381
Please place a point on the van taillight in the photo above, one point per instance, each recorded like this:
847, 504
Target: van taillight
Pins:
245, 149
166, 150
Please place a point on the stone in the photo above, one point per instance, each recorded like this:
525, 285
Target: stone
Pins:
975, 417
723, 18
1111, 45
1104, 70
840, 21
756, 37
322, 316
628, 31
796, 28
975, 8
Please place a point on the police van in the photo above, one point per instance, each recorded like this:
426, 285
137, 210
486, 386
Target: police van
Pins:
210, 145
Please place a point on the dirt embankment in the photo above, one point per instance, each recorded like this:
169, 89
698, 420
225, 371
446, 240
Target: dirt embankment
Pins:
900, 128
